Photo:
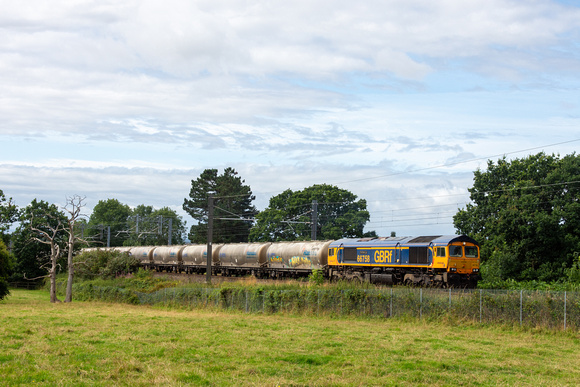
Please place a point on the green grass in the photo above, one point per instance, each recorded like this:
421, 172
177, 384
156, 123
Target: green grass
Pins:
94, 343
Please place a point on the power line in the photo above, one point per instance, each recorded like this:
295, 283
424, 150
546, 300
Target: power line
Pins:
457, 163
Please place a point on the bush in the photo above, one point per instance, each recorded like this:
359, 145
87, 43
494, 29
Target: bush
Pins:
104, 264
574, 271
316, 277
5, 267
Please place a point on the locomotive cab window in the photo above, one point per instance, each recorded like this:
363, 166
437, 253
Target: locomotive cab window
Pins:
455, 251
440, 251
331, 252
471, 251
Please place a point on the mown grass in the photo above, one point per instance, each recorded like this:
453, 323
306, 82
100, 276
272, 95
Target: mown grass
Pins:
94, 343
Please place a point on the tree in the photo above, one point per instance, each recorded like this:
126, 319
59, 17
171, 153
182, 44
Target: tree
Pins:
288, 215
8, 215
109, 216
526, 215
33, 258
233, 200
5, 266
73, 208
48, 230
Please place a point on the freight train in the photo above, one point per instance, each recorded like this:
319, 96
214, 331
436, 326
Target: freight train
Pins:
443, 261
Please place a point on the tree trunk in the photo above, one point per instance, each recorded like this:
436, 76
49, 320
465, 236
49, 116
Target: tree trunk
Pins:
55, 252
69, 282
53, 297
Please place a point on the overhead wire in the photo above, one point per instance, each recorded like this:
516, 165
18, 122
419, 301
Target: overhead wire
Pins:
456, 163
240, 217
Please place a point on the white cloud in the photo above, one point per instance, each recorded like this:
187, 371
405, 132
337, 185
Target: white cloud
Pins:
128, 98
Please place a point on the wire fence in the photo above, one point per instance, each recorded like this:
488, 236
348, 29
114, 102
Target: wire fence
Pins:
553, 310
30, 285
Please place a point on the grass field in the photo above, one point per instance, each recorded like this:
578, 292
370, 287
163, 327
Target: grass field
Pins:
115, 344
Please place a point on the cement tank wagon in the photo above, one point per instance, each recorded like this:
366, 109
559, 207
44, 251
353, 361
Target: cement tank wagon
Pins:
248, 255
167, 258
194, 257
144, 254
298, 255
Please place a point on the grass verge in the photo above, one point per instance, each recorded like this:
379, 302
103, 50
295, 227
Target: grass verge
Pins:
116, 344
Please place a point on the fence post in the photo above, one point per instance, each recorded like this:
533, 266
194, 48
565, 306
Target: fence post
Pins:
565, 299
480, 304
391, 306
365, 303
318, 303
449, 298
246, 301
420, 303
521, 306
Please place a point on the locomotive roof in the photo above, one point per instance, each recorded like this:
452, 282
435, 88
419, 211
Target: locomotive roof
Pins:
435, 240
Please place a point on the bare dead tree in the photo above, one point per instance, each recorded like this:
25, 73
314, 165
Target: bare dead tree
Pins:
73, 207
49, 236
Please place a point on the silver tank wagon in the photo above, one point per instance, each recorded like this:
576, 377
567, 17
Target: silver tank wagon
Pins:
250, 255
168, 257
194, 257
298, 255
144, 254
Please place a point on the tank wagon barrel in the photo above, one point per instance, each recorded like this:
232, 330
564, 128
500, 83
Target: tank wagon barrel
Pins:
168, 258
144, 254
243, 258
297, 258
194, 258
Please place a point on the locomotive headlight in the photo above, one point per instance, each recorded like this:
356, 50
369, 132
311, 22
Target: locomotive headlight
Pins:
476, 270
453, 269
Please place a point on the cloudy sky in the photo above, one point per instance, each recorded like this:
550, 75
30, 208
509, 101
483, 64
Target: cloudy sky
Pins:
397, 101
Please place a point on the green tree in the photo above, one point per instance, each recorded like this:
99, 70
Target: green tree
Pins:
5, 267
288, 215
526, 215
8, 214
109, 213
233, 199
32, 258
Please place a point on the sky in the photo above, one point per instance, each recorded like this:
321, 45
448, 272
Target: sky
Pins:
397, 101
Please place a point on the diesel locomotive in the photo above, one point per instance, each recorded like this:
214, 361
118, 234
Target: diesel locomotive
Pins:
444, 261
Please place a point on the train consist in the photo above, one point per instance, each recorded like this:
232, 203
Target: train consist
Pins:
428, 260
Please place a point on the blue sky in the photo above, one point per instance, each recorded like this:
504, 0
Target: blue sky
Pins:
397, 101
